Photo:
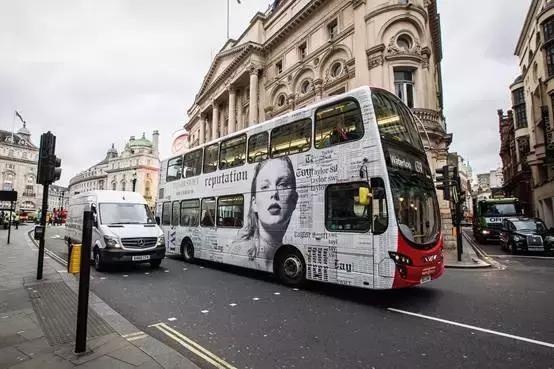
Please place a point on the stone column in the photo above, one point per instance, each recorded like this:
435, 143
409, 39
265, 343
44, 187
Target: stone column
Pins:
238, 109
253, 116
215, 119
202, 121
232, 110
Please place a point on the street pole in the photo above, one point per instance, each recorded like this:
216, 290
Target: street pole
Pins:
84, 284
43, 225
10, 222
459, 230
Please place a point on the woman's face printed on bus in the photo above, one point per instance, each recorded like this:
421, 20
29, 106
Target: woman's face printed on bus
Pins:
275, 198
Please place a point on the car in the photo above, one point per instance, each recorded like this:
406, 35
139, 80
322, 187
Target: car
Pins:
524, 234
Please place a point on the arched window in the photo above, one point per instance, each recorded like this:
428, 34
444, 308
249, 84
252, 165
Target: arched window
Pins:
114, 186
123, 186
305, 87
281, 100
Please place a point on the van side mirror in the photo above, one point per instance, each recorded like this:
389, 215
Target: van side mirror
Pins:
158, 220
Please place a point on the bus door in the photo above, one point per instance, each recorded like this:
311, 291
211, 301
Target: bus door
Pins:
379, 222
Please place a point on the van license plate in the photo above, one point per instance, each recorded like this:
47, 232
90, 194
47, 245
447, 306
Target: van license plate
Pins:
141, 257
425, 279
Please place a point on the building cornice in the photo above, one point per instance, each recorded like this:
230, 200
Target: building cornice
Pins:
528, 19
390, 8
208, 84
18, 160
292, 24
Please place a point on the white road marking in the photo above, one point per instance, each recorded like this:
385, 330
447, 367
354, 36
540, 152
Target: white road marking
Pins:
125, 275
184, 268
519, 338
205, 311
166, 271
172, 319
295, 289
276, 293
146, 273
523, 257
102, 278
255, 298
133, 334
232, 304
201, 267
193, 347
137, 337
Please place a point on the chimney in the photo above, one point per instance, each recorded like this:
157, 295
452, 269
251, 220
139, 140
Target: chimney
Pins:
155, 141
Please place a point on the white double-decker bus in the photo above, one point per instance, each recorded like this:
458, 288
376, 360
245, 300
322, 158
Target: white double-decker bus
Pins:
339, 191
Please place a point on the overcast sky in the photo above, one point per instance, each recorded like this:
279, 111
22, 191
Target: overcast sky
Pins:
96, 72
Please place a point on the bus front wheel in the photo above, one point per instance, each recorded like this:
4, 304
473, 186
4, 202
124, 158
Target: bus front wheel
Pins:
187, 250
291, 268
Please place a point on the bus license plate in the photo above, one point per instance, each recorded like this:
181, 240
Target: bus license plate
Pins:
425, 279
141, 257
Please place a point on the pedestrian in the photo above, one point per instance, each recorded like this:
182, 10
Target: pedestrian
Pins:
17, 220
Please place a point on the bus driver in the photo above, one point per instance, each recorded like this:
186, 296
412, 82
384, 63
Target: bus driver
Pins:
273, 200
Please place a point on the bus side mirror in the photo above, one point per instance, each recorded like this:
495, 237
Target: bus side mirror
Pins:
158, 220
364, 193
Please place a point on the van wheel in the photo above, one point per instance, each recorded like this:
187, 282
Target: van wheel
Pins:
187, 250
98, 263
291, 268
155, 263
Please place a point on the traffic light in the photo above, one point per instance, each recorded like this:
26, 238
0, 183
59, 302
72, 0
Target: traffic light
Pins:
48, 170
443, 179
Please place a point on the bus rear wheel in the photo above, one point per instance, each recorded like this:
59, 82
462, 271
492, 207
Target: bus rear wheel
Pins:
187, 250
291, 268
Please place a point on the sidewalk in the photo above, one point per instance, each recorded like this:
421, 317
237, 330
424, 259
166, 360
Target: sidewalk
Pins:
38, 320
471, 257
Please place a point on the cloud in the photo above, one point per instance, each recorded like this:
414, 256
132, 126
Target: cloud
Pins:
478, 67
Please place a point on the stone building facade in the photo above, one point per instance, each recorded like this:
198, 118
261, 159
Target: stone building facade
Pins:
301, 51
18, 166
138, 161
532, 105
515, 168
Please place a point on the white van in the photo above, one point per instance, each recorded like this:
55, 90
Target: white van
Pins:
124, 228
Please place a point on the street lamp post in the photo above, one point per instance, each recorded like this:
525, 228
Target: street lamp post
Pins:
134, 180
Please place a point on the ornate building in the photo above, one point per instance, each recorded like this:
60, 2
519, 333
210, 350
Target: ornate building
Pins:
139, 162
533, 106
18, 165
301, 51
58, 197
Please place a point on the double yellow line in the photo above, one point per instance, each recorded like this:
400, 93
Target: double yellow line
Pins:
193, 347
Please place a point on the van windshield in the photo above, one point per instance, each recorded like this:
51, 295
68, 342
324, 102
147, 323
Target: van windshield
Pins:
121, 213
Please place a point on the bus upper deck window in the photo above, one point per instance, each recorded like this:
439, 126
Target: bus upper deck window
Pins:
211, 158
258, 147
338, 123
233, 152
192, 163
291, 138
174, 169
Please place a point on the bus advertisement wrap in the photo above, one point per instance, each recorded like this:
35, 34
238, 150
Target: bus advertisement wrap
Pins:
290, 206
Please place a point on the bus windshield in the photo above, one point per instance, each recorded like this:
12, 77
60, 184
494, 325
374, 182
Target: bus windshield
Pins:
416, 207
121, 213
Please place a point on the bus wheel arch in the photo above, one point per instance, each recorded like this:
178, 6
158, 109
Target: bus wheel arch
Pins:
289, 265
187, 249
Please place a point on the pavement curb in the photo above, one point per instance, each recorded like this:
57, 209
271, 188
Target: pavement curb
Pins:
479, 261
481, 253
162, 354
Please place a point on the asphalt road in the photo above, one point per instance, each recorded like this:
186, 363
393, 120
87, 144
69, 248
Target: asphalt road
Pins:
250, 320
